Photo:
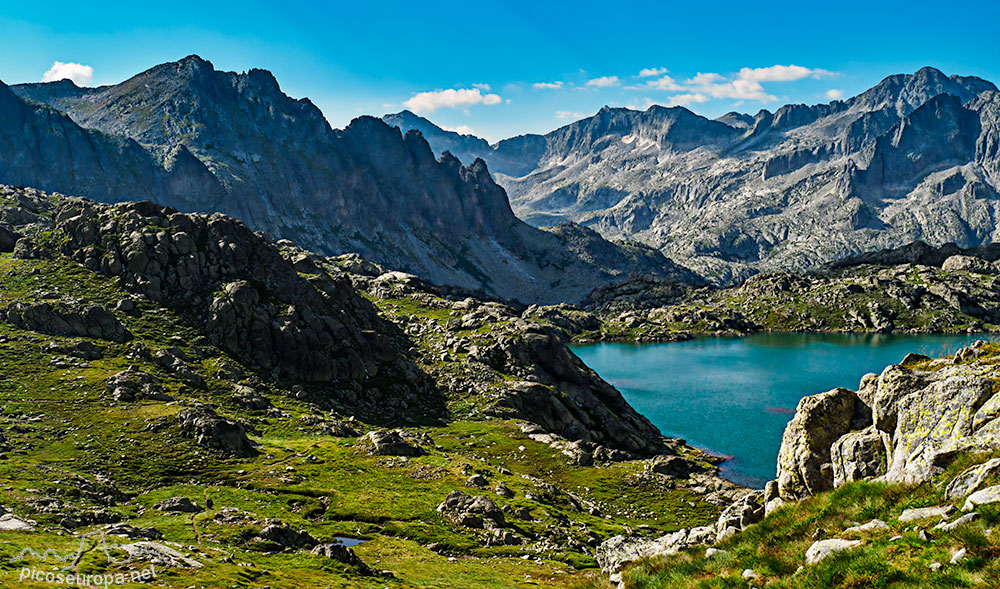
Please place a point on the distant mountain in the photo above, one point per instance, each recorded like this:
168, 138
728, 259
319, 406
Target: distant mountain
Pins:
913, 158
198, 139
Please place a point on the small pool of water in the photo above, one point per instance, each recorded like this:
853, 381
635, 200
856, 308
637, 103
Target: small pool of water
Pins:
348, 541
733, 396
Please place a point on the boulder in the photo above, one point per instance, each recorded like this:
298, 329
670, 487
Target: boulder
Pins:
969, 479
618, 551
285, 536
875, 524
985, 496
471, 512
965, 519
960, 263
11, 523
132, 384
740, 514
84, 350
159, 554
217, 433
804, 467
249, 398
177, 505
343, 554
77, 320
917, 513
859, 455
822, 549
389, 443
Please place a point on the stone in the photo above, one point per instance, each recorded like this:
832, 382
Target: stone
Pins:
504, 491
177, 505
824, 548
918, 513
674, 466
741, 513
11, 523
214, 432
858, 455
477, 481
969, 479
343, 554
965, 519
249, 398
935, 566
875, 524
616, 552
159, 554
133, 384
471, 512
285, 536
961, 263
66, 319
84, 350
804, 457
389, 443
958, 556
982, 497
750, 574
710, 552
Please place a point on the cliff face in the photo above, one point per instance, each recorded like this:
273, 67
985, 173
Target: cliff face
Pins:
203, 140
912, 158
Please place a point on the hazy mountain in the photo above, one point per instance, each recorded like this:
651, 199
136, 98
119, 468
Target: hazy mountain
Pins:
913, 158
187, 135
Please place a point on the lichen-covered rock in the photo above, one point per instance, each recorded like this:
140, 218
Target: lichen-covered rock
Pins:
748, 510
285, 536
343, 554
823, 549
859, 455
917, 513
985, 496
177, 505
969, 479
804, 457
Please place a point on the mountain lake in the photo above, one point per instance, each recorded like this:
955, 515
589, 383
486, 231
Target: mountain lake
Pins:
733, 396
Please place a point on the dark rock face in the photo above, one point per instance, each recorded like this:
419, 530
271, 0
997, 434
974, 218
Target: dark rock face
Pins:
250, 300
214, 432
234, 143
86, 320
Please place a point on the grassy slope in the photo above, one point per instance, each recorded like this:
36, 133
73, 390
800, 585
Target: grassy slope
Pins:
63, 428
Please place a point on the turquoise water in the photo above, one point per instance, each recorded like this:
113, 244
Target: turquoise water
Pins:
733, 396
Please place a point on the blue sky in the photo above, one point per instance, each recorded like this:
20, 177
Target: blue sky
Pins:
504, 68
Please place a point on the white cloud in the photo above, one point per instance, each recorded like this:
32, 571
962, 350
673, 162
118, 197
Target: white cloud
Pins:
428, 102
747, 84
547, 85
652, 71
687, 99
781, 73
604, 82
461, 130
79, 73
568, 114
483, 87
834, 94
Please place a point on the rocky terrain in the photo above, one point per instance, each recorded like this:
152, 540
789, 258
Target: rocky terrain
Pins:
202, 401
191, 137
895, 484
913, 289
913, 158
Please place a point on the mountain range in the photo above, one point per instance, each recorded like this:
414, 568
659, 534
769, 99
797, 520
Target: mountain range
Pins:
186, 135
913, 158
